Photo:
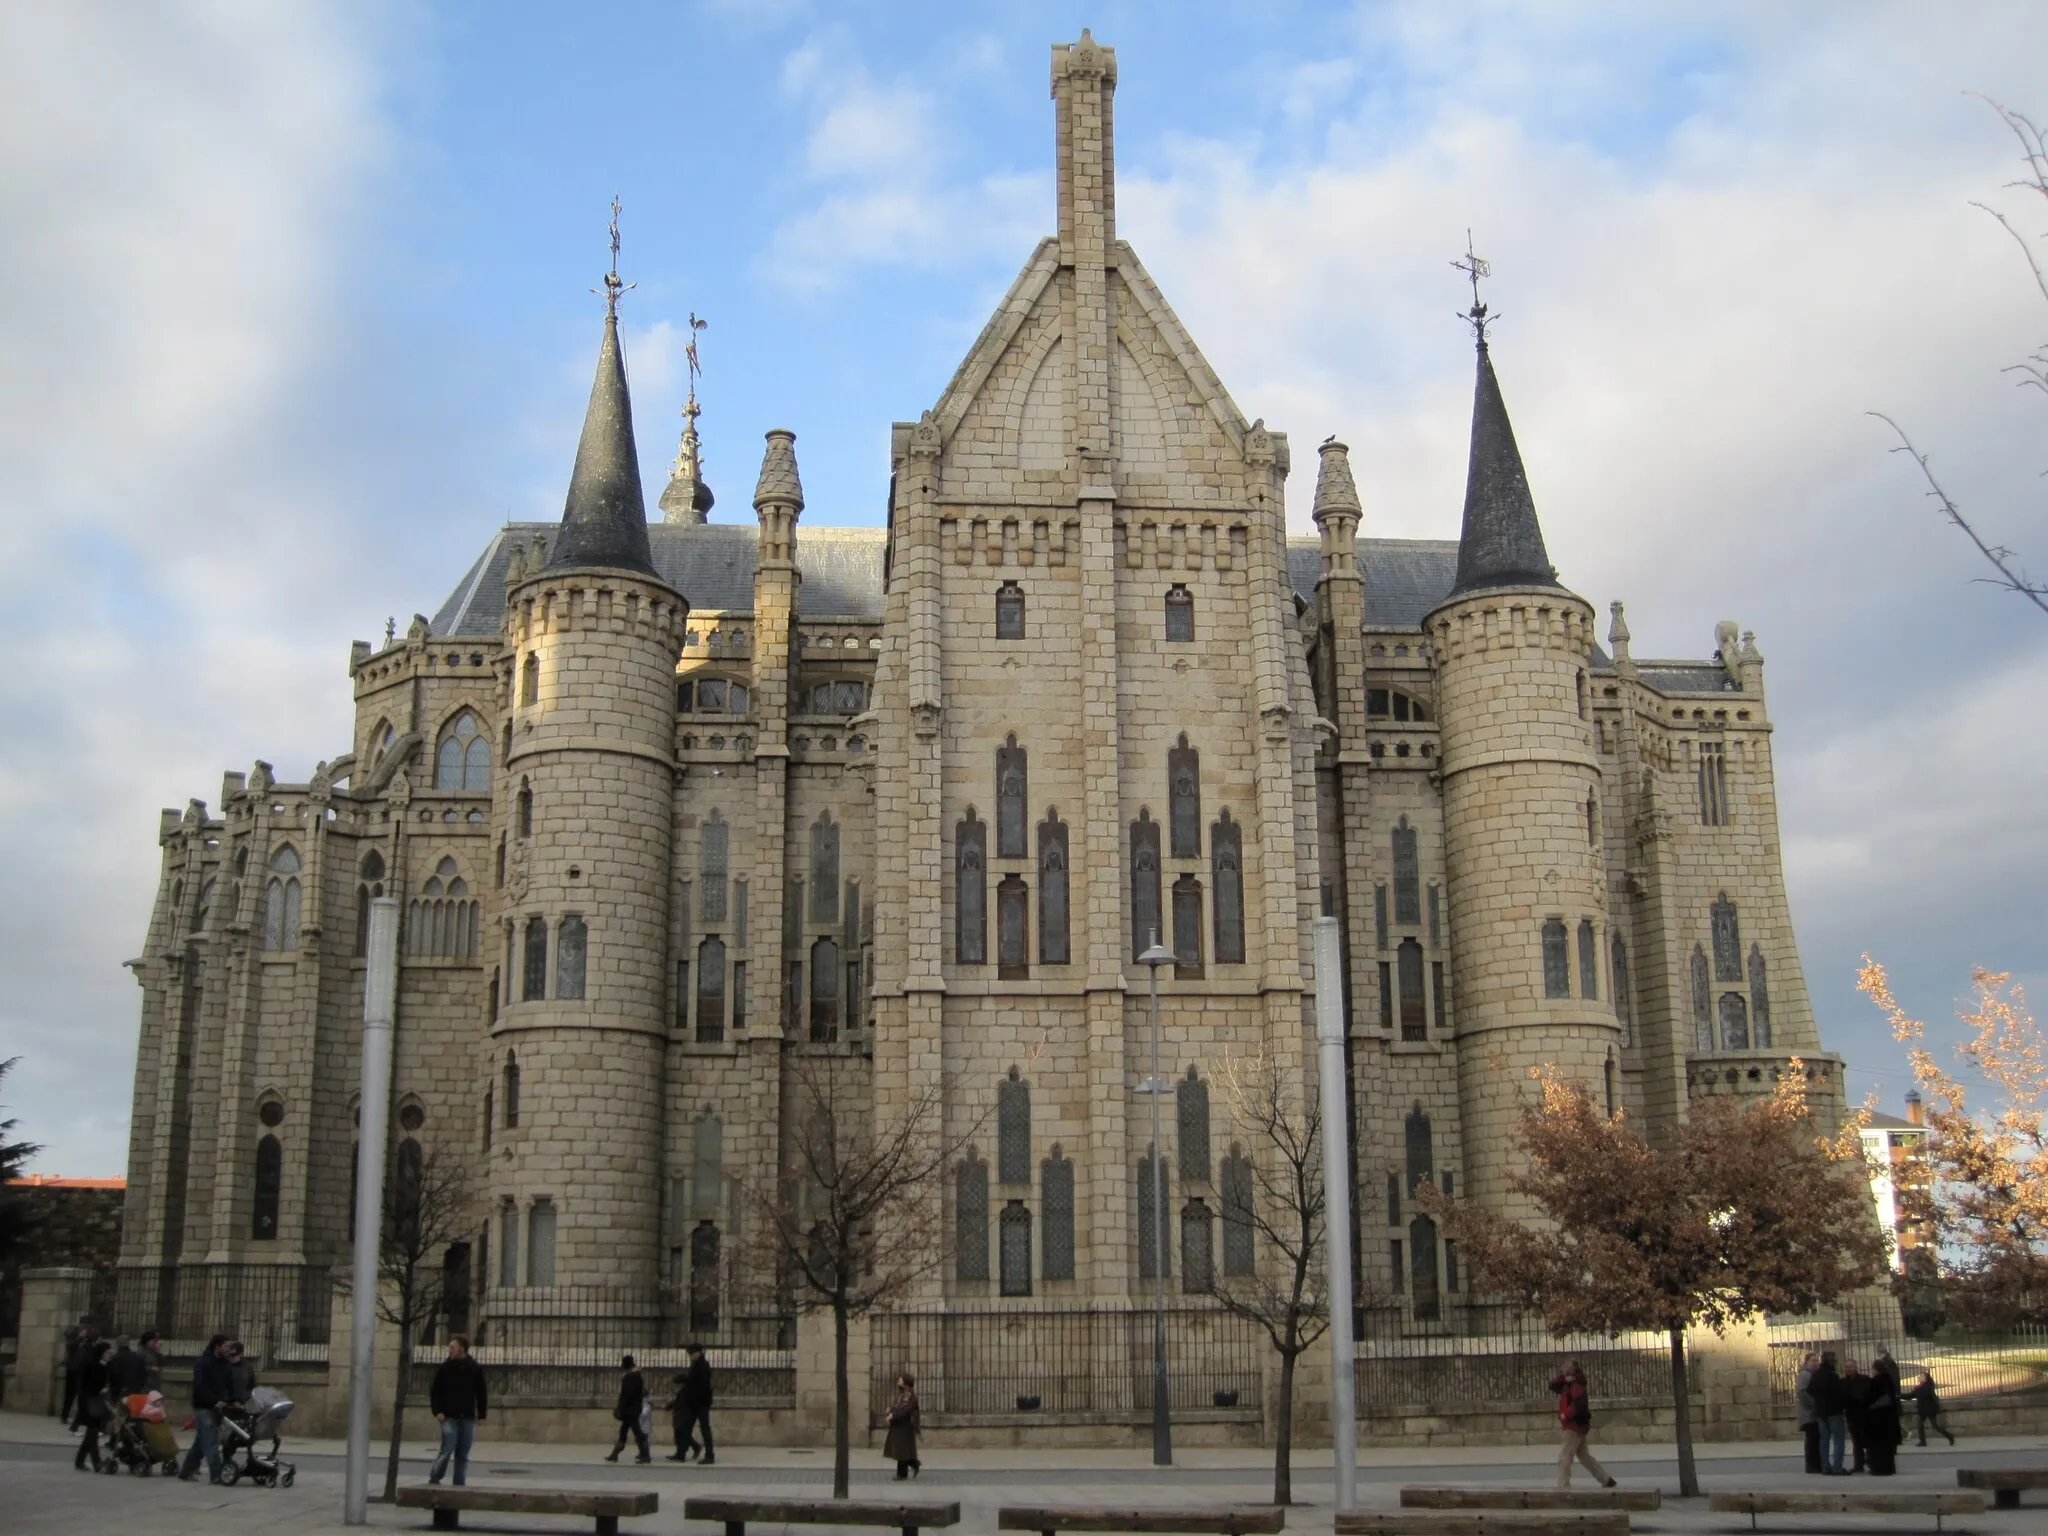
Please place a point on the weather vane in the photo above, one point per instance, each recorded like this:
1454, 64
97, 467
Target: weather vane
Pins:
1474, 267
690, 408
612, 286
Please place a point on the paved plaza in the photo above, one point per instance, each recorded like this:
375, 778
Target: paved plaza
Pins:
44, 1494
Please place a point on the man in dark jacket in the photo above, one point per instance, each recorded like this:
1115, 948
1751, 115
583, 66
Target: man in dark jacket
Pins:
213, 1384
128, 1372
632, 1394
1830, 1406
460, 1403
78, 1339
1856, 1410
693, 1408
152, 1361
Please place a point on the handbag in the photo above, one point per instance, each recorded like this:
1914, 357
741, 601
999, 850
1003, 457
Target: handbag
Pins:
646, 1416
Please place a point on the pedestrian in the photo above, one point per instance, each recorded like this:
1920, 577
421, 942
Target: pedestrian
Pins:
213, 1385
905, 1420
127, 1374
76, 1340
1830, 1408
1575, 1423
1809, 1416
693, 1409
1856, 1410
152, 1352
93, 1408
241, 1372
630, 1410
460, 1403
1882, 1420
1927, 1408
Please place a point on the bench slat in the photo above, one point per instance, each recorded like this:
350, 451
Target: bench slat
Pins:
2002, 1477
1531, 1498
529, 1501
823, 1511
1847, 1503
1215, 1520
1513, 1522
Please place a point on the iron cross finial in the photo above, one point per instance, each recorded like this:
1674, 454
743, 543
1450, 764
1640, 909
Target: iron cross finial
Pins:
690, 356
612, 286
1475, 267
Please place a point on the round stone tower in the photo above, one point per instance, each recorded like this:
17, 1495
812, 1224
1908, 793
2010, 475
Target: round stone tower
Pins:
1521, 788
587, 796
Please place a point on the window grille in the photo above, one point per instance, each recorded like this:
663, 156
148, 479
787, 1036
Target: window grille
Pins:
1191, 1127
1053, 941
1419, 1146
713, 854
711, 991
1197, 1249
463, 759
1056, 1193
1180, 615
1734, 1022
1226, 862
704, 1263
1423, 1297
825, 990
1589, 960
970, 1218
1557, 960
1013, 1130
1013, 905
1702, 1003
1236, 1190
535, 981
1624, 1003
1187, 927
1014, 1241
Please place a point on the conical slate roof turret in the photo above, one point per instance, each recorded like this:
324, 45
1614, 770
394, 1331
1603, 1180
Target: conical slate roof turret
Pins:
604, 521
779, 482
1335, 490
1502, 543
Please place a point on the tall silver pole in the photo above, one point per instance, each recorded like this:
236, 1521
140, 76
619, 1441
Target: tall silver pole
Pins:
1337, 1205
380, 997
1162, 1412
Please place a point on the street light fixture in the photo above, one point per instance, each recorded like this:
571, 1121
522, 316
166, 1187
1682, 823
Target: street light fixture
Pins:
1162, 1417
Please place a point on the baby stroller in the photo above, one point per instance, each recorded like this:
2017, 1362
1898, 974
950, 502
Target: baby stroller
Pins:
242, 1428
139, 1436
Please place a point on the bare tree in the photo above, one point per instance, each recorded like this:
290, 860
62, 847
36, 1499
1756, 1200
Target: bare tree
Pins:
854, 1218
2033, 371
1287, 1292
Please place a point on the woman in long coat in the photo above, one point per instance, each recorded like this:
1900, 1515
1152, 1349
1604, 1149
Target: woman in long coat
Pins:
904, 1423
1883, 1424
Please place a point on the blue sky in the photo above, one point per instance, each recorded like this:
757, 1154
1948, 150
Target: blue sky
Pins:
295, 310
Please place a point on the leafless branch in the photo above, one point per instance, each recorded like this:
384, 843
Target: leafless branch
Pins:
2010, 576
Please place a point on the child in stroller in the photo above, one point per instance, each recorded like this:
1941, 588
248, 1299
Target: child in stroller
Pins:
242, 1427
139, 1437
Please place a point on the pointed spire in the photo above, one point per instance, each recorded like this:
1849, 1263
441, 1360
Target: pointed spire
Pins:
1502, 543
779, 484
604, 520
1617, 632
1335, 491
688, 499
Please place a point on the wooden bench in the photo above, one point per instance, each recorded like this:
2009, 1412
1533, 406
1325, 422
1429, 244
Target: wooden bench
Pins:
1496, 1522
906, 1517
447, 1503
2005, 1483
1531, 1498
1872, 1503
1196, 1520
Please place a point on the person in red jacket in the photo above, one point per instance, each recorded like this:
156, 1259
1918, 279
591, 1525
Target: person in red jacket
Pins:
1575, 1423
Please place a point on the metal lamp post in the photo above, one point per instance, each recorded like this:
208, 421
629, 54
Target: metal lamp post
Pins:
1337, 1204
1162, 1414
380, 993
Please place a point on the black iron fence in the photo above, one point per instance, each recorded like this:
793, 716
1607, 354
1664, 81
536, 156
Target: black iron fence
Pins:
1481, 1357
1094, 1364
277, 1304
1963, 1364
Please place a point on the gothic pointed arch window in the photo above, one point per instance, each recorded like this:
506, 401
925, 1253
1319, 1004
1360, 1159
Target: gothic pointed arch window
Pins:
1624, 1000
1153, 1243
1013, 1245
1191, 1126
1013, 1129
711, 991
824, 869
1009, 611
462, 760
1239, 1259
1702, 1002
970, 1218
525, 812
1144, 883
704, 1265
1226, 873
970, 898
1407, 875
1557, 960
1187, 927
1180, 614
1589, 960
1423, 1294
571, 941
1713, 777
1012, 800
1197, 1248
269, 1188
281, 901
540, 1242
369, 887
1013, 928
825, 990
1408, 982
1727, 931
1054, 945
1734, 1022
529, 680
713, 855
1056, 1194
1184, 798
535, 979
1759, 1000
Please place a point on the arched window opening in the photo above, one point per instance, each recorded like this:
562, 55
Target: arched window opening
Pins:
970, 901
1056, 1191
1154, 1243
1180, 614
1702, 1003
1408, 978
281, 901
1012, 797
570, 944
1191, 1127
525, 809
704, 1264
1197, 1249
540, 1242
1144, 883
1607, 1080
1734, 1022
1423, 1293
269, 1188
824, 869
1392, 704
1013, 1129
1014, 1243
711, 991
529, 679
1589, 960
707, 1166
1557, 960
1713, 780
511, 1090
535, 980
1418, 1148
1013, 938
1187, 927
508, 1246
463, 759
713, 856
1239, 1258
1592, 822
408, 1181
970, 1218
1184, 799
1584, 709
1727, 940
1407, 875
1624, 1002
1759, 1000
1054, 945
1226, 870
1009, 611
825, 990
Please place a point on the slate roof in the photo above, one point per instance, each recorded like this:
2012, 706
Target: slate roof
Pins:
1686, 676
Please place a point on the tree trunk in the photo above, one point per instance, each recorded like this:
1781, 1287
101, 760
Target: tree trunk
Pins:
841, 1471
398, 1411
1283, 1435
1681, 1402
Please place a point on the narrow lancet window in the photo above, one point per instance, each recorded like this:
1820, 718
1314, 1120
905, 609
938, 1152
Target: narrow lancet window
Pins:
825, 990
1407, 875
1702, 1002
1187, 927
1184, 798
1226, 867
1009, 611
1191, 1125
1053, 942
1153, 1243
1727, 932
1238, 1254
1013, 1129
1734, 1022
570, 941
1012, 800
1557, 960
535, 987
1056, 1190
711, 991
824, 869
970, 1219
1013, 907
1408, 975
970, 900
1180, 614
1013, 1238
1589, 960
713, 860
1759, 1000
1145, 888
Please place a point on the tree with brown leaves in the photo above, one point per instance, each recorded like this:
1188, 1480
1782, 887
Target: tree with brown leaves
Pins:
1748, 1210
1287, 1292
1988, 1199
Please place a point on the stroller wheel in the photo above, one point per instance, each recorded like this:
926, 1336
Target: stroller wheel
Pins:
289, 1476
230, 1474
